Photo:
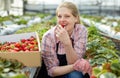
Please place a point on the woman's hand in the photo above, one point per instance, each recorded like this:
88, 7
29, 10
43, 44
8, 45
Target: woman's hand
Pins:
83, 65
62, 35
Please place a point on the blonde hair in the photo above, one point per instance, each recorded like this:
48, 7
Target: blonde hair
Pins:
72, 7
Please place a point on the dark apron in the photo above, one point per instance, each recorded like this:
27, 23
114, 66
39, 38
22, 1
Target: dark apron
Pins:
41, 72
62, 60
62, 57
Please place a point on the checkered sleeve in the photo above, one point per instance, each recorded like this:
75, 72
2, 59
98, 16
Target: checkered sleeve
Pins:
80, 42
49, 54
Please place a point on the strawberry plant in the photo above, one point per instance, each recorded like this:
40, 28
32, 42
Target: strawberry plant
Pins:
11, 69
101, 52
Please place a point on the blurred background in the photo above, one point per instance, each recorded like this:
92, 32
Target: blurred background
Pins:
101, 18
92, 7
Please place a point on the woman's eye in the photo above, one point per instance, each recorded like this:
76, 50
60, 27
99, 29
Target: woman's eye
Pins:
59, 16
67, 16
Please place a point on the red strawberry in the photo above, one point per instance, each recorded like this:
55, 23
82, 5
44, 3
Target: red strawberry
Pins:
32, 38
16, 49
23, 40
93, 76
63, 26
17, 44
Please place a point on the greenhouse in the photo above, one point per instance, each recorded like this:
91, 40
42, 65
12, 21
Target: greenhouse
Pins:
25, 36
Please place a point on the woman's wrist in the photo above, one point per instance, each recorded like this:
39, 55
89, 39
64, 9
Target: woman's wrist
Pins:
72, 67
67, 43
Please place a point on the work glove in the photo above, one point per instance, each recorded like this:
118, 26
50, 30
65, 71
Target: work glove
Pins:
83, 66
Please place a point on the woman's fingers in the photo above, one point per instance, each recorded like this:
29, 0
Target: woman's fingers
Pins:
58, 30
57, 35
88, 67
60, 26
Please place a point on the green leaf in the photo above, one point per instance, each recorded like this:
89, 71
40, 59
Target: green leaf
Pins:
101, 60
108, 75
7, 63
96, 70
115, 67
20, 76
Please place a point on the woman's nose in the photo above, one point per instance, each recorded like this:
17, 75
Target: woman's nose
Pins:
62, 19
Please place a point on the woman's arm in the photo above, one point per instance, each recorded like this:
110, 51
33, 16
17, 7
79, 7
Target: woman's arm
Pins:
80, 36
63, 36
71, 55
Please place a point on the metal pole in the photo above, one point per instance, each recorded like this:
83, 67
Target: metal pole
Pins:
24, 4
114, 9
7, 4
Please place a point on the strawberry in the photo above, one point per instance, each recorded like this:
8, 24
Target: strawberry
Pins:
32, 38
17, 44
23, 40
93, 76
31, 46
16, 49
63, 26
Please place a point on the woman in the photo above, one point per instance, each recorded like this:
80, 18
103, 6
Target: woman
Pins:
64, 46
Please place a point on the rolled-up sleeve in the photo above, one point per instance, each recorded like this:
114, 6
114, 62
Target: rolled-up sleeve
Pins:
48, 53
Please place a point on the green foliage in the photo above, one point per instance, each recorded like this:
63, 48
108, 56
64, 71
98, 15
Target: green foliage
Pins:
22, 21
94, 18
10, 66
115, 66
20, 76
51, 22
117, 28
108, 75
99, 49
41, 15
4, 18
40, 28
92, 33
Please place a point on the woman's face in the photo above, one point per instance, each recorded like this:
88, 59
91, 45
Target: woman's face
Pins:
66, 19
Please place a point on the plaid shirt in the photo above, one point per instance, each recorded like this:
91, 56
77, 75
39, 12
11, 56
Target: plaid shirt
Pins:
79, 35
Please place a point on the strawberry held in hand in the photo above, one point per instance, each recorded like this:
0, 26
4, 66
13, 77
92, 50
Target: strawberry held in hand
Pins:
63, 25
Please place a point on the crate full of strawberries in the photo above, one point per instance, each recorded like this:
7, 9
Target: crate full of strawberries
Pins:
24, 47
